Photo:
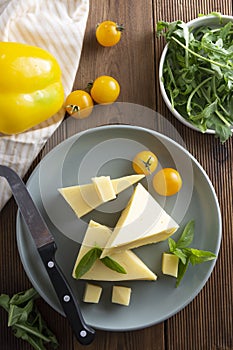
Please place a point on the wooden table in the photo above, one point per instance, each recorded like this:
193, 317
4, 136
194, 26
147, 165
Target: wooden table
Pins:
206, 323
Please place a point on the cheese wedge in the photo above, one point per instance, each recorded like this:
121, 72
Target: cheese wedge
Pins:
142, 222
85, 198
104, 188
97, 234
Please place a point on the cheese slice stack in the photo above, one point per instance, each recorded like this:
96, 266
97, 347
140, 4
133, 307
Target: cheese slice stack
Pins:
142, 222
85, 198
98, 235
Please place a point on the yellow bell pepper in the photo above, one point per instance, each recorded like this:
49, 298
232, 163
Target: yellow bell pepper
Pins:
31, 90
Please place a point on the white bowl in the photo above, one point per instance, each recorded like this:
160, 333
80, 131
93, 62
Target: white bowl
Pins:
211, 21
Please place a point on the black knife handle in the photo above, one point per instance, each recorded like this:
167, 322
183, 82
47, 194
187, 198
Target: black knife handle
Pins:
84, 333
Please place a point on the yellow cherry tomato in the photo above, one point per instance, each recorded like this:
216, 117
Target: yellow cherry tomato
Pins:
79, 104
108, 33
105, 89
167, 182
145, 162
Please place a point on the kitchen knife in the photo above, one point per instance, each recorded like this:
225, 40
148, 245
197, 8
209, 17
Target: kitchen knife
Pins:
46, 247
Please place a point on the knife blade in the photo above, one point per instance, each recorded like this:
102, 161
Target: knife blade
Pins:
46, 247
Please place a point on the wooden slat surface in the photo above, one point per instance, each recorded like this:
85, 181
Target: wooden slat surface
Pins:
206, 323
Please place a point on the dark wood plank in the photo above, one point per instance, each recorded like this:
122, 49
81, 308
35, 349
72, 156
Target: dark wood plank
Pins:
206, 322
13, 278
131, 61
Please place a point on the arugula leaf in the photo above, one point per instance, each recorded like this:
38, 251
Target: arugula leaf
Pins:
4, 301
87, 261
185, 254
19, 314
113, 264
23, 297
26, 320
198, 74
160, 26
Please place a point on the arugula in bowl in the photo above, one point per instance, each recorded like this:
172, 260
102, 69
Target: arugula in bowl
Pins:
197, 72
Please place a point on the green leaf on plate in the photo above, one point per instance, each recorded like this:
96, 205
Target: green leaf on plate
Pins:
187, 236
87, 261
181, 254
198, 256
182, 268
185, 254
90, 258
172, 244
113, 265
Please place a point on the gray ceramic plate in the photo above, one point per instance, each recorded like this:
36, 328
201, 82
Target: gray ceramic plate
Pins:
109, 150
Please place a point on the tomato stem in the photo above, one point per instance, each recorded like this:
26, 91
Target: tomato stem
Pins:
147, 164
89, 86
74, 108
120, 27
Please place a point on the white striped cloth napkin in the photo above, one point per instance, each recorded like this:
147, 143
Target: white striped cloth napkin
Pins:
57, 26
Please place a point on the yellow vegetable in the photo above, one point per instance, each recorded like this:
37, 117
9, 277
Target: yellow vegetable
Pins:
31, 90
170, 264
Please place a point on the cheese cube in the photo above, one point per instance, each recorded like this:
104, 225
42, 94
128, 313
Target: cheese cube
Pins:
92, 293
104, 188
170, 264
121, 295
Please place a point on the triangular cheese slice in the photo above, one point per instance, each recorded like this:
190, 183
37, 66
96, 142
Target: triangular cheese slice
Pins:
85, 198
97, 234
142, 222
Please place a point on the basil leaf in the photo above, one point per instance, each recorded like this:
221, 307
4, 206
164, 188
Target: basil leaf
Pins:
182, 268
185, 254
87, 261
181, 254
198, 256
113, 264
187, 235
172, 244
